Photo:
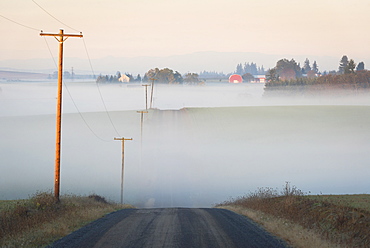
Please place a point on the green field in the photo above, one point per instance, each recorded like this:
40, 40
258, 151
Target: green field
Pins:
356, 201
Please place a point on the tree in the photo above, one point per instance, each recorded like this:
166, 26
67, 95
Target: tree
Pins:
350, 68
118, 74
261, 70
178, 77
165, 75
272, 75
239, 69
247, 77
306, 66
315, 67
360, 66
145, 78
138, 78
288, 70
343, 64
191, 78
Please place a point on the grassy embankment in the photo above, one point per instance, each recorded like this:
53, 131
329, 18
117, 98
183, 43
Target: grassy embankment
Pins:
307, 220
38, 221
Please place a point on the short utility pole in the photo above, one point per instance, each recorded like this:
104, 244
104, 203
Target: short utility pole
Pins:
151, 95
61, 37
123, 163
141, 123
146, 95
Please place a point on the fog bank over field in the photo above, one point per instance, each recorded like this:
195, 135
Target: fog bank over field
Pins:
202, 145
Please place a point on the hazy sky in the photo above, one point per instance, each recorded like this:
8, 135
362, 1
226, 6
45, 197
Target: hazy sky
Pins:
169, 27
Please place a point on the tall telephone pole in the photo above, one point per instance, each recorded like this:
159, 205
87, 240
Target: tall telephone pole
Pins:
123, 164
60, 37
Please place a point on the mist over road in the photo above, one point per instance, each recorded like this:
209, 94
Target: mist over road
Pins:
171, 227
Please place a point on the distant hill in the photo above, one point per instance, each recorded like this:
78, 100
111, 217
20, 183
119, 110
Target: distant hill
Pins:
225, 62
16, 75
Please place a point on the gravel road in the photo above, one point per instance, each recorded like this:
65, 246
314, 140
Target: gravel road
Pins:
171, 227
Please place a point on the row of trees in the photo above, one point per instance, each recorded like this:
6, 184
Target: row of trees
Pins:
287, 75
115, 78
165, 75
250, 69
213, 75
347, 66
289, 69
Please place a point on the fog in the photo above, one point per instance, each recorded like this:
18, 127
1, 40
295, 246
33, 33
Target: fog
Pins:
199, 146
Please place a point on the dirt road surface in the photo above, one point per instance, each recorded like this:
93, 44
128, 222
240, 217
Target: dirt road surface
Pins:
171, 227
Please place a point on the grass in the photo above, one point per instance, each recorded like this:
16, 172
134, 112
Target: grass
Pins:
330, 221
353, 201
40, 220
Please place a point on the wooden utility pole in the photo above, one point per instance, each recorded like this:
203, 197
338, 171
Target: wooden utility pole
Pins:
151, 95
146, 95
123, 164
61, 37
141, 122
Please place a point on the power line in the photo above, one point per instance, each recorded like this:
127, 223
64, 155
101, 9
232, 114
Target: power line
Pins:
73, 101
20, 24
54, 16
51, 54
88, 57
83, 118
100, 94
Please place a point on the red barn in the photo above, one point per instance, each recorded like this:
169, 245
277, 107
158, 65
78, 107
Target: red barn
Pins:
235, 79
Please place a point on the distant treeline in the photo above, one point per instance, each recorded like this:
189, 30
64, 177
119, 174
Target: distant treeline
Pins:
165, 75
288, 76
352, 82
249, 68
117, 78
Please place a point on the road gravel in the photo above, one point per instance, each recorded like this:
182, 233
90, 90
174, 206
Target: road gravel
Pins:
171, 227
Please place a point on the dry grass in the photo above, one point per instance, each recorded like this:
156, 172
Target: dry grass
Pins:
295, 235
335, 221
40, 220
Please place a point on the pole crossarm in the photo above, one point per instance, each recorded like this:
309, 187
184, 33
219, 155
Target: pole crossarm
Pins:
62, 35
115, 138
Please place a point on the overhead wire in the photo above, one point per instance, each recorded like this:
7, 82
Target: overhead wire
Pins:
69, 93
73, 101
20, 24
53, 16
100, 94
88, 56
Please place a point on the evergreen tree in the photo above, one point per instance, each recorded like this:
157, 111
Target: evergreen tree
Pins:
138, 78
306, 66
261, 71
239, 69
118, 74
343, 64
350, 68
254, 70
315, 68
360, 66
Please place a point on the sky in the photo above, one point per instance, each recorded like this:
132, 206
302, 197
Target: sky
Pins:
134, 28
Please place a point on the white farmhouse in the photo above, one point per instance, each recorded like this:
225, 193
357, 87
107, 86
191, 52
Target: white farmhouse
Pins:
124, 79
